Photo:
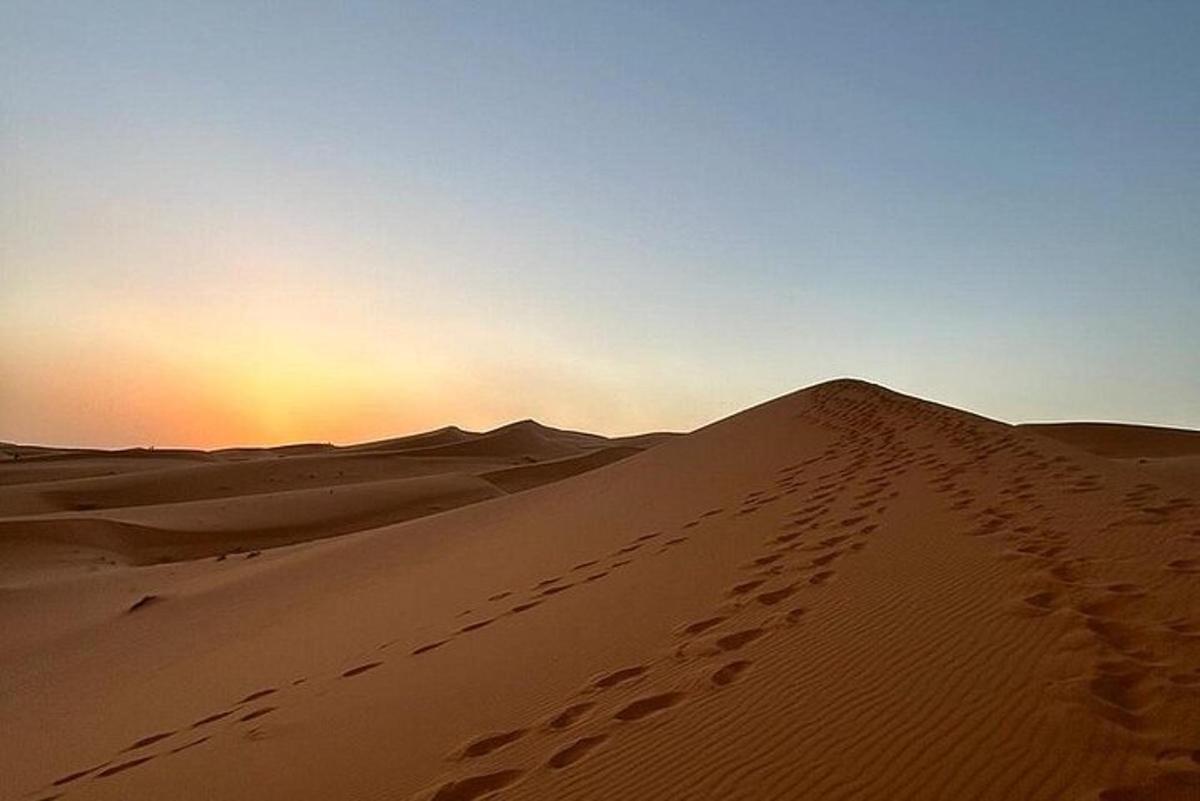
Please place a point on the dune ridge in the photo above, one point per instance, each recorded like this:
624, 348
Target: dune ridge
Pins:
843, 593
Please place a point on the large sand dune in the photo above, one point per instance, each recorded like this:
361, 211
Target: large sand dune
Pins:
844, 593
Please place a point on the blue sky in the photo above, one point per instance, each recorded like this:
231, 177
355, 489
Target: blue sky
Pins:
261, 222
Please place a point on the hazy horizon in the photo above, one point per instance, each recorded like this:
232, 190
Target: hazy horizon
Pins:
235, 224
563, 426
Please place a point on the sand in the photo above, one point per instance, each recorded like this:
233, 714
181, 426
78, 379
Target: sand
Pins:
845, 593
62, 511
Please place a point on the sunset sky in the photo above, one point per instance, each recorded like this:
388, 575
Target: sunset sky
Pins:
268, 222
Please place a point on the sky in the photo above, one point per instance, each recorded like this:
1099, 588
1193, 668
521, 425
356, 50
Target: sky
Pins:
236, 223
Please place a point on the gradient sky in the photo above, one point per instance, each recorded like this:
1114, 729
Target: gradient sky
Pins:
262, 222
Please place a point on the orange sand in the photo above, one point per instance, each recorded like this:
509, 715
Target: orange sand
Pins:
844, 593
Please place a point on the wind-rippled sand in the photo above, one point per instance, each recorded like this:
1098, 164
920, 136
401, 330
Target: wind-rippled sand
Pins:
845, 593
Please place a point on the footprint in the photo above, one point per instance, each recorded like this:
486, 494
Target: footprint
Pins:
79, 774
1121, 697
737, 640
519, 608
583, 565
258, 713
151, 740
596, 576
571, 715
492, 742
124, 766
619, 676
143, 602
354, 671
476, 626
746, 586
557, 590
212, 718
424, 649
644, 707
192, 744
500, 596
821, 578
730, 672
1183, 627
254, 696
702, 625
1042, 602
474, 787
775, 596
1178, 753
575, 751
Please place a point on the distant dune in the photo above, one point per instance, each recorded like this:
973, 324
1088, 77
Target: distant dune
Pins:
65, 509
1122, 441
1168, 454
843, 593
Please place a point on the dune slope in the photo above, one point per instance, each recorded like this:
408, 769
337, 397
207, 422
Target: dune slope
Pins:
1165, 455
844, 593
64, 511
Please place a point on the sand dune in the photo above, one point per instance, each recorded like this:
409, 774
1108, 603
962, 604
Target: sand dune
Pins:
844, 593
1170, 455
1121, 441
148, 534
526, 438
163, 506
63, 465
523, 477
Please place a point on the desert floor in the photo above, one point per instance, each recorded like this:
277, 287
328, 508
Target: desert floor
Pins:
844, 593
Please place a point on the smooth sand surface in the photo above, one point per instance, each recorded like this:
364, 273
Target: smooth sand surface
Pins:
1122, 441
1170, 455
845, 593
64, 511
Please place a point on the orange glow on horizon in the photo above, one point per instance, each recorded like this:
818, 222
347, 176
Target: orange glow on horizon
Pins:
253, 375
